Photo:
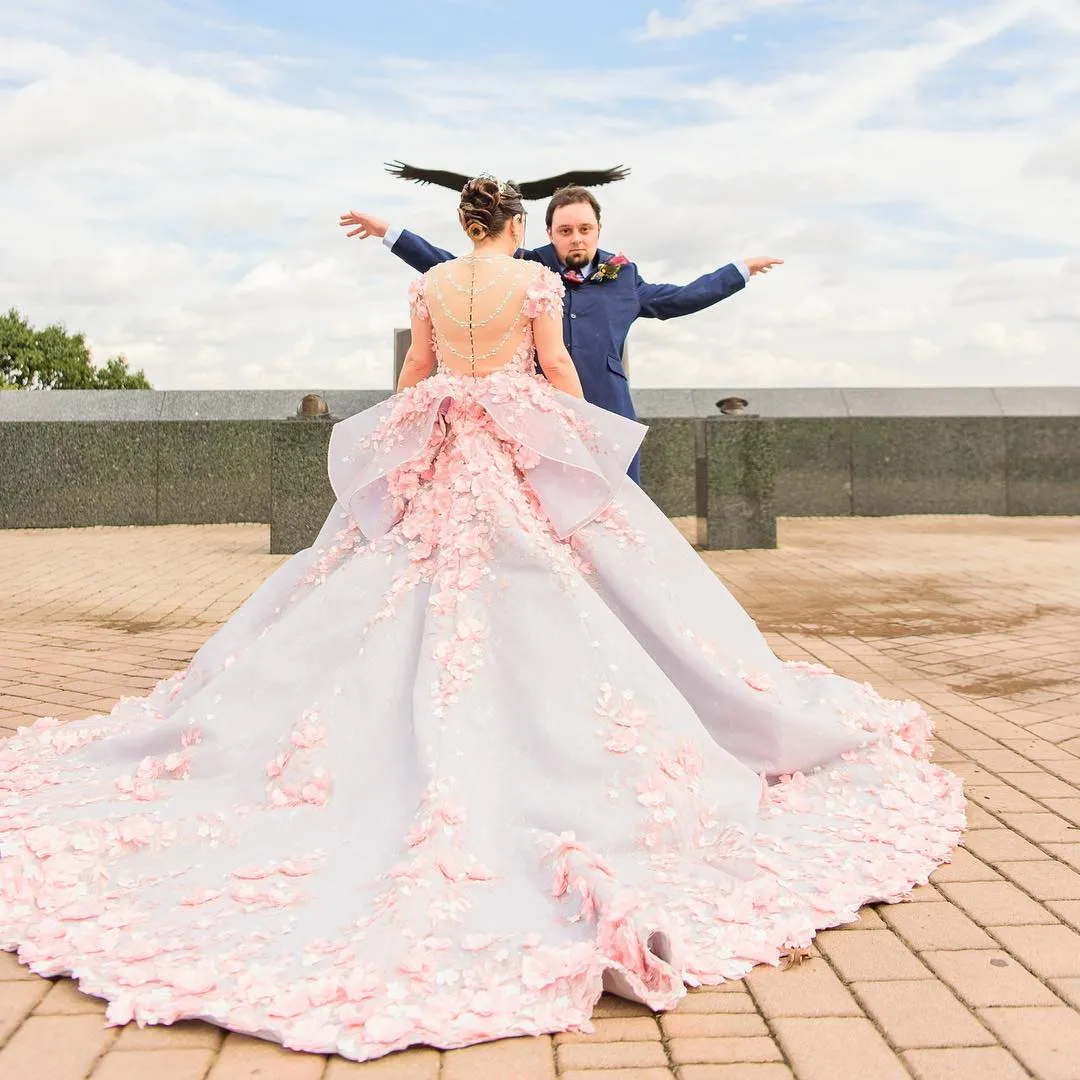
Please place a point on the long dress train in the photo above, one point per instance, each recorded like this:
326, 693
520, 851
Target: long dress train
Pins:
498, 741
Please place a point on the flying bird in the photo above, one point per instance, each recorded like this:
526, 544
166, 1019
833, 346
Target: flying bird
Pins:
530, 191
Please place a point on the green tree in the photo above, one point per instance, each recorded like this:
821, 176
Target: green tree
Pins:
53, 359
116, 376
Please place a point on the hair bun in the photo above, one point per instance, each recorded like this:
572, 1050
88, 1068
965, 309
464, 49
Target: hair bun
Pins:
483, 192
486, 206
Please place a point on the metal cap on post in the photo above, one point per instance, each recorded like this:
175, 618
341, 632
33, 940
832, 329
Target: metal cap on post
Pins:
733, 406
313, 407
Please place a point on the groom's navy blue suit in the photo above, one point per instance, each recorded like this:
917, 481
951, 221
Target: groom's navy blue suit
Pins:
597, 315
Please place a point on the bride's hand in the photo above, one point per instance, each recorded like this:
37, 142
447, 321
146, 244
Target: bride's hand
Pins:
366, 224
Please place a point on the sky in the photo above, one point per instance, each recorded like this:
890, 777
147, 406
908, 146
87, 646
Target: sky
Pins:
171, 176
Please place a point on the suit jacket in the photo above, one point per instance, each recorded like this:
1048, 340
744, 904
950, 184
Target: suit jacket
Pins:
597, 315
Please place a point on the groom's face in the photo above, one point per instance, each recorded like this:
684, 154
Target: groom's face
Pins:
575, 234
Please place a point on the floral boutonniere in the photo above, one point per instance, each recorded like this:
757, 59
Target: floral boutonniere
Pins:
609, 271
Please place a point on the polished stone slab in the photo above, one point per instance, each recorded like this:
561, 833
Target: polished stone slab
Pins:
300, 492
345, 403
665, 404
231, 404
1039, 400
916, 401
813, 467
668, 465
740, 455
1044, 464
61, 405
928, 465
213, 471
77, 473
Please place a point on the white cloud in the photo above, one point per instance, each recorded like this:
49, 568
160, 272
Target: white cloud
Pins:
701, 15
996, 337
182, 207
1058, 157
233, 68
923, 350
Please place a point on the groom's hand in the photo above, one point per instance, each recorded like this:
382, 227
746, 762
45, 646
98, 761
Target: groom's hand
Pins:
366, 225
762, 264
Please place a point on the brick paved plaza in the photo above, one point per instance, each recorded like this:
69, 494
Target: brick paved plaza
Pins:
977, 979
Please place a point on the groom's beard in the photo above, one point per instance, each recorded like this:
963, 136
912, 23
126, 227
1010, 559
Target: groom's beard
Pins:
575, 260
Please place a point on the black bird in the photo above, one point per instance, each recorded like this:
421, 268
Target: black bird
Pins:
530, 191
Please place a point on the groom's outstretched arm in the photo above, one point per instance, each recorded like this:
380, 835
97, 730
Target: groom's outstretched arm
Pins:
415, 250
421, 255
670, 301
407, 246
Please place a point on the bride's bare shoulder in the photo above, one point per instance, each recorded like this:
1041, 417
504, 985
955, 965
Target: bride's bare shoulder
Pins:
530, 271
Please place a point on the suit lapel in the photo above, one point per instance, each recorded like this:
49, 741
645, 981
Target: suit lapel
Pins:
547, 256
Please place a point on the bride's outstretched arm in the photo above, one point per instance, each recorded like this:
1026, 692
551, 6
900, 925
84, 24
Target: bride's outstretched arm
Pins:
555, 361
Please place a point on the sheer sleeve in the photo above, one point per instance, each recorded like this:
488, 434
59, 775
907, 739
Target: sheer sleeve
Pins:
418, 300
543, 295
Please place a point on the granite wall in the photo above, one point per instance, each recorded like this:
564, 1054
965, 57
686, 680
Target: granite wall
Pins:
881, 452
144, 457
72, 458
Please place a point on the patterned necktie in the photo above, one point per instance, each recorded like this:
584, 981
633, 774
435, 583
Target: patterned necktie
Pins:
572, 276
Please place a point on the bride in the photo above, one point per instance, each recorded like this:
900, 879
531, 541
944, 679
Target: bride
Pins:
497, 742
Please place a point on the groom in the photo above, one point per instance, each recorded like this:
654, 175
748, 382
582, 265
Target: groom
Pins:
604, 292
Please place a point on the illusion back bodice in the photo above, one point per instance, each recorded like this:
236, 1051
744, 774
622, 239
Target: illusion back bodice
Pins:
481, 309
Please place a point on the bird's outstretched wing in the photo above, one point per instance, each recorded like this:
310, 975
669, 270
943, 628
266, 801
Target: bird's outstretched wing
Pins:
530, 191
544, 189
454, 181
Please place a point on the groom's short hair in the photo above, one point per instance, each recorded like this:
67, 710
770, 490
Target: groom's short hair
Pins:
567, 196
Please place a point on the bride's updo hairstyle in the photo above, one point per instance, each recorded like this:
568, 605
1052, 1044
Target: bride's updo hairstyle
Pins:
486, 206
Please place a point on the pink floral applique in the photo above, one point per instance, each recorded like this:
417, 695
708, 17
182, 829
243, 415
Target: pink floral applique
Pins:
458, 657
254, 897
345, 543
295, 778
418, 300
662, 774
308, 734
707, 647
203, 896
433, 881
614, 519
544, 296
806, 667
192, 736
758, 680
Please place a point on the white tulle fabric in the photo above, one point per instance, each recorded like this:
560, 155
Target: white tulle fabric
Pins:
497, 741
